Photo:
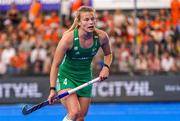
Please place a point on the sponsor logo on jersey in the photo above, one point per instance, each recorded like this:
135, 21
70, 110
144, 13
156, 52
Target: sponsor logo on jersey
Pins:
65, 81
75, 48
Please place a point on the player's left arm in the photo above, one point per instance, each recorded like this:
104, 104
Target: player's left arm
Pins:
105, 45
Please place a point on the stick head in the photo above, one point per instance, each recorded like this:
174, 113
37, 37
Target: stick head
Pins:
24, 110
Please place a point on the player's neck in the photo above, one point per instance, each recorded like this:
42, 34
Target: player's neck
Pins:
85, 35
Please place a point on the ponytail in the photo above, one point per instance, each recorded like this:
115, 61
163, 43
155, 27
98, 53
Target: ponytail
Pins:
73, 26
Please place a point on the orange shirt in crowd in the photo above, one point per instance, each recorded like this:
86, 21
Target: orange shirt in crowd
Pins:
146, 38
47, 36
18, 61
175, 11
55, 37
23, 25
52, 36
54, 19
35, 8
38, 22
142, 24
156, 24
75, 5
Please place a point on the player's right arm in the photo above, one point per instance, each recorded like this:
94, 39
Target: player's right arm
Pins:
64, 44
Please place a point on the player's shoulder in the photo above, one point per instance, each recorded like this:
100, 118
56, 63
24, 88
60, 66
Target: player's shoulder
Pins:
68, 36
102, 34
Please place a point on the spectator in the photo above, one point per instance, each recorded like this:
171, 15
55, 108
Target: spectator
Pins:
169, 32
13, 14
24, 24
37, 57
1, 21
157, 34
175, 10
146, 16
34, 10
3, 39
3, 67
141, 64
75, 5
87, 2
38, 53
107, 19
25, 44
169, 45
167, 62
125, 59
47, 63
177, 48
65, 11
7, 53
126, 64
53, 20
153, 63
18, 62
177, 62
162, 14
177, 31
119, 18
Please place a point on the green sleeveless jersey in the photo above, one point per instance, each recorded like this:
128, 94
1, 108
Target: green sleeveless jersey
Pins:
77, 61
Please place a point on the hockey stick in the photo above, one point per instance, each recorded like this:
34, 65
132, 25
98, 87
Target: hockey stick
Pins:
26, 110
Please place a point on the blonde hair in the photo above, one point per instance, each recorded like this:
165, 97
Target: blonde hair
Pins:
77, 16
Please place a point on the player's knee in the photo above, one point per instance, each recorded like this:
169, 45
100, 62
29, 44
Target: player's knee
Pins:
74, 113
81, 116
80, 119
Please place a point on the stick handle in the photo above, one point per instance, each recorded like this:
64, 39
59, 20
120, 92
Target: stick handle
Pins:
76, 89
83, 85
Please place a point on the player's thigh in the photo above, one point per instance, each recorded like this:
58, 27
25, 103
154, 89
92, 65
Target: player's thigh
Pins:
71, 102
84, 103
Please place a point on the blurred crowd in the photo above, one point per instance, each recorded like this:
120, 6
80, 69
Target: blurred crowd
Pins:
148, 43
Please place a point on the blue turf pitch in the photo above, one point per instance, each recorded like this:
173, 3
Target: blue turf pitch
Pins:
99, 112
